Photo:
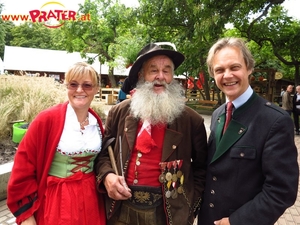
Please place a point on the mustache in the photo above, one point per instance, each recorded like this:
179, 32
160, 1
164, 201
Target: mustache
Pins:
151, 84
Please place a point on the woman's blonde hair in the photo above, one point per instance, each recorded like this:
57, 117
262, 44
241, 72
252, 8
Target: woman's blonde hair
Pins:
80, 69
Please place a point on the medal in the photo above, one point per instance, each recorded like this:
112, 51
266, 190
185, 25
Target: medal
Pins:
180, 188
168, 192
174, 176
179, 172
169, 174
162, 176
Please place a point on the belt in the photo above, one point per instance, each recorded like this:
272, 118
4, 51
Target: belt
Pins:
145, 197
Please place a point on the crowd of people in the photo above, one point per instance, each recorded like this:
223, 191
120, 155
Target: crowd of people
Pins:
152, 163
291, 104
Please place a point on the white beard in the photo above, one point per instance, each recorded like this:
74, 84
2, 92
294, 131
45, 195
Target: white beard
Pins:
164, 107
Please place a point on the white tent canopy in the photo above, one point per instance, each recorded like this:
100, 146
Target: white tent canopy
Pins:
34, 59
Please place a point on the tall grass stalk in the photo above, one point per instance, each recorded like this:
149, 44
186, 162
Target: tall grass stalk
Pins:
22, 98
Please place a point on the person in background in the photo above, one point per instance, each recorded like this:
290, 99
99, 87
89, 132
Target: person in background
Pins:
252, 174
159, 144
296, 109
282, 91
122, 94
52, 179
287, 100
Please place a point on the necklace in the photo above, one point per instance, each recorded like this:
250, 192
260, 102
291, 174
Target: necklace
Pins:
83, 123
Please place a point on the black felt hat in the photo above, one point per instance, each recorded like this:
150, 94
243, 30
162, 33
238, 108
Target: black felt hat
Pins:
148, 52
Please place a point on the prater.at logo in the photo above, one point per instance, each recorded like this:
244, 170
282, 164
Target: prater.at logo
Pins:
51, 14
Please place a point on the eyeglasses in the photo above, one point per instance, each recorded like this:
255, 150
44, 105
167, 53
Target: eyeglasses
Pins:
84, 86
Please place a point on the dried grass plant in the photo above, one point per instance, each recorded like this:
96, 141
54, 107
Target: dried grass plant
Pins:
22, 98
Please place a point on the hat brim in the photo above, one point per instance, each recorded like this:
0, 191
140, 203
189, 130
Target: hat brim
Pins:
176, 57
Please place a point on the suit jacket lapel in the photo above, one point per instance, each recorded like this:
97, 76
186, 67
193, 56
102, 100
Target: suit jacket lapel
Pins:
131, 125
219, 128
171, 141
233, 133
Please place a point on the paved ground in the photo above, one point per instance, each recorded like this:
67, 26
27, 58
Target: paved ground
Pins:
290, 217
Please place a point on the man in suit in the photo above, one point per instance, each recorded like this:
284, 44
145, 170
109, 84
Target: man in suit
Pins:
296, 108
160, 146
252, 174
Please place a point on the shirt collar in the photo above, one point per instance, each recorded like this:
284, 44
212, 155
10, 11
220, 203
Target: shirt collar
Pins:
242, 98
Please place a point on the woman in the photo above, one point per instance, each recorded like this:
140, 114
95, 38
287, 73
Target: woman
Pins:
52, 180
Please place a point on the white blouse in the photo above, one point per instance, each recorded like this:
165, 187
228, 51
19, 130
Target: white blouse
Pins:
76, 141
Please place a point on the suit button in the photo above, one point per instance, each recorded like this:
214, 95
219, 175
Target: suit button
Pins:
242, 154
211, 205
212, 192
214, 178
125, 129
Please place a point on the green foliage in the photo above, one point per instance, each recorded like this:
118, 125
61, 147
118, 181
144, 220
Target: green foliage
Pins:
192, 25
101, 35
5, 33
33, 35
277, 32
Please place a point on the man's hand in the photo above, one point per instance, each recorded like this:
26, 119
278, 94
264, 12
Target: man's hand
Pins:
29, 221
116, 187
223, 221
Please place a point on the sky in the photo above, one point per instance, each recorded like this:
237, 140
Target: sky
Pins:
23, 7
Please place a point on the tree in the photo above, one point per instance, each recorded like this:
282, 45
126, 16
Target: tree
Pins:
280, 32
109, 20
5, 36
33, 35
194, 25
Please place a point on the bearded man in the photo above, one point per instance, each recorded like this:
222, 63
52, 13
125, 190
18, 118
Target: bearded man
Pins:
159, 145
